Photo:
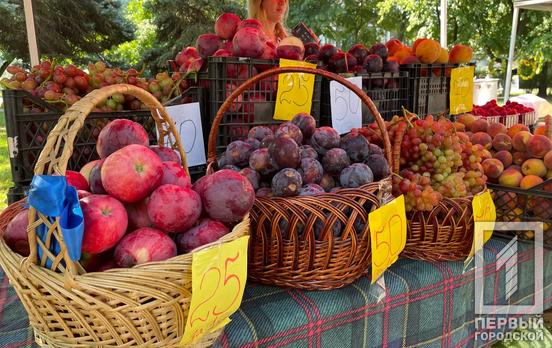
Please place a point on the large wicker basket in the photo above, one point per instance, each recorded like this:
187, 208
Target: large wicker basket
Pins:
443, 234
145, 306
283, 249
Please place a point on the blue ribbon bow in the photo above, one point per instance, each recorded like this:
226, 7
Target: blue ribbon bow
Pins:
53, 197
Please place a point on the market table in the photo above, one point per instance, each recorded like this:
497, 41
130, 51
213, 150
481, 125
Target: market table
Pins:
425, 304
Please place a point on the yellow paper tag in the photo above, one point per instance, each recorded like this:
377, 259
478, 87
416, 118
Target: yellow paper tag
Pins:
461, 90
219, 274
294, 91
387, 235
483, 211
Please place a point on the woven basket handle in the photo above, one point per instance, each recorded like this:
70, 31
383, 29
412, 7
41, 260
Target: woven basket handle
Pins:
59, 148
276, 71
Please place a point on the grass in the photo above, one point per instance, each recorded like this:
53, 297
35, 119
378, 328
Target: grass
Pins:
5, 171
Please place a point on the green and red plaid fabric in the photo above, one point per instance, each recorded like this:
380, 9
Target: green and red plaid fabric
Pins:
424, 304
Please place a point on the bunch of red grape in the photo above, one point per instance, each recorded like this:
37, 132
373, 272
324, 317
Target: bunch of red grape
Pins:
436, 161
65, 85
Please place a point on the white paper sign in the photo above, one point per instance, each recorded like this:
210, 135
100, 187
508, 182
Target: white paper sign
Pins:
346, 106
187, 119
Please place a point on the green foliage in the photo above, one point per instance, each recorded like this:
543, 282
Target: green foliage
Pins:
76, 29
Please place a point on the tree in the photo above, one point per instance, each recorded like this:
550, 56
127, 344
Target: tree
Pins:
75, 29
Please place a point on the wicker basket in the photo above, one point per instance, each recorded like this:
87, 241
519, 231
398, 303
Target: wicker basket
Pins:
146, 305
443, 234
283, 249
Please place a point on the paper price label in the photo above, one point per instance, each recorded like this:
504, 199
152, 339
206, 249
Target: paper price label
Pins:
218, 281
387, 235
294, 91
483, 211
461, 90
346, 106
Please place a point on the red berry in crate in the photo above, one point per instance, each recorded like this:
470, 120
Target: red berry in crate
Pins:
166, 153
16, 233
311, 171
174, 174
335, 160
105, 223
356, 175
291, 130
286, 183
131, 173
138, 215
285, 152
226, 25
118, 134
324, 138
379, 166
248, 42
144, 245
253, 176
306, 123
207, 231
356, 146
227, 196
311, 190
174, 209
77, 180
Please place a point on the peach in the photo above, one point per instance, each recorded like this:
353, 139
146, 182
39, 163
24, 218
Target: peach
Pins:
502, 142
538, 146
493, 168
428, 51
505, 157
512, 131
409, 60
466, 119
520, 140
549, 174
541, 129
460, 54
548, 160
443, 56
534, 166
393, 46
417, 42
530, 181
403, 53
510, 177
479, 125
496, 128
504, 200
519, 157
486, 154
482, 138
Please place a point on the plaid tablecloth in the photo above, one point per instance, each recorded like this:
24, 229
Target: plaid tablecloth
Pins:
424, 305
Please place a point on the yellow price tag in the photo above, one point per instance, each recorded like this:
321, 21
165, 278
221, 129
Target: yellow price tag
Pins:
387, 235
483, 211
461, 90
294, 91
219, 274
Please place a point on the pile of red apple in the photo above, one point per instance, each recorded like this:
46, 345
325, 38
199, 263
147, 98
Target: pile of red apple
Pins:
491, 108
139, 204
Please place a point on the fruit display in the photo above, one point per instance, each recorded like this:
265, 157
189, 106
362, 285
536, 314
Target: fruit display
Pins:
139, 204
299, 159
491, 108
436, 161
427, 51
62, 86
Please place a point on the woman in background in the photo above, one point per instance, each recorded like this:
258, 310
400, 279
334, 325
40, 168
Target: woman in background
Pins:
272, 14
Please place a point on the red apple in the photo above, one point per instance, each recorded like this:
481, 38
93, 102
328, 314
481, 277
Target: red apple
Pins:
82, 194
105, 223
138, 215
87, 168
144, 245
207, 231
16, 233
77, 180
174, 174
118, 134
166, 153
131, 173
173, 208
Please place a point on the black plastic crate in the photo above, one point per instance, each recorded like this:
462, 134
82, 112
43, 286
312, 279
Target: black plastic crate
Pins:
387, 90
428, 88
255, 106
30, 119
16, 193
514, 204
